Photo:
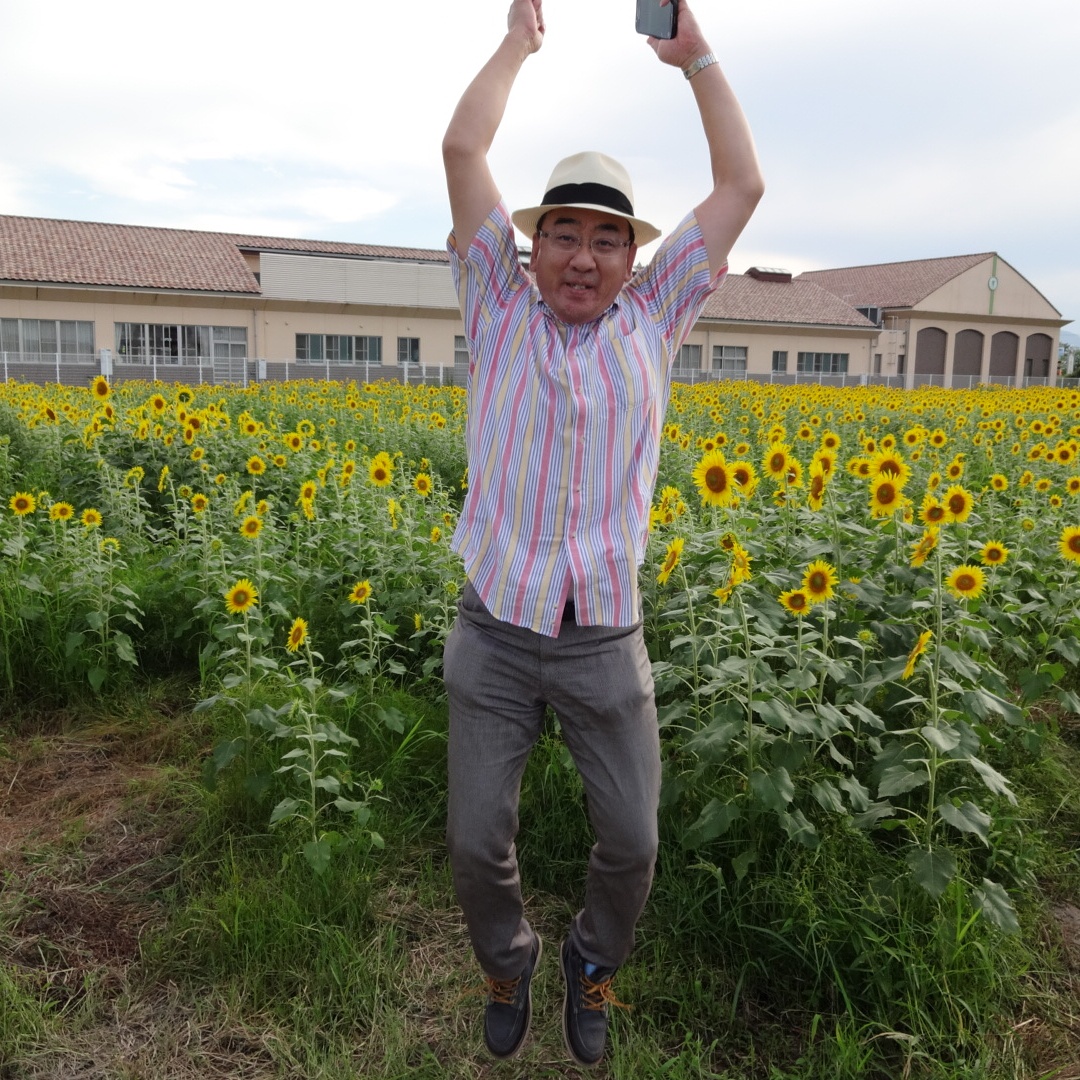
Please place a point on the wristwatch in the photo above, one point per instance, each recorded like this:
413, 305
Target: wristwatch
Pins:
700, 64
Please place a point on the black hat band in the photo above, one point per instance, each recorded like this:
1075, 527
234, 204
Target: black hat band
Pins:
595, 194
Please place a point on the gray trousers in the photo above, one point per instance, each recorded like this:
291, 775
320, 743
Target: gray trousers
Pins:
597, 679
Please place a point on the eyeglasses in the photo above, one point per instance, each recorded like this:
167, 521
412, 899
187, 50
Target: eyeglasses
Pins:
603, 247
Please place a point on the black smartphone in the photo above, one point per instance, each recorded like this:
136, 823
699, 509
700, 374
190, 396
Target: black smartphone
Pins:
657, 21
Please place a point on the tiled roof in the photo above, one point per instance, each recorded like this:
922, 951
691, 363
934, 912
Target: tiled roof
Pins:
745, 299
893, 285
92, 253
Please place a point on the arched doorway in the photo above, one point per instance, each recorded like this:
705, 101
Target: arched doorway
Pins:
967, 357
1037, 351
1003, 349
930, 352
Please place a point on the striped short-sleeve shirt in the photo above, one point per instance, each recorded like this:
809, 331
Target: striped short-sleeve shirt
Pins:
564, 428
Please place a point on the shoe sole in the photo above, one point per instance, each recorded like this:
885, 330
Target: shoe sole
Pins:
510, 1055
580, 1062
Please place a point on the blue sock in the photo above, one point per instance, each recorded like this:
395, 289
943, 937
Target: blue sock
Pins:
591, 969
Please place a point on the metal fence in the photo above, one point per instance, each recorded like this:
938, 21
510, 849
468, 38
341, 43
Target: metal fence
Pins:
238, 371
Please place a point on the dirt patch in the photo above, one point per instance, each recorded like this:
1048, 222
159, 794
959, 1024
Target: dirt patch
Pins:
83, 853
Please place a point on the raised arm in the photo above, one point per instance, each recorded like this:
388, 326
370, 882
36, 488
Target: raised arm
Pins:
473, 192
737, 181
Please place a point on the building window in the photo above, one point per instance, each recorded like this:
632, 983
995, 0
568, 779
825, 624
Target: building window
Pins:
168, 343
779, 360
38, 340
901, 363
338, 349
461, 352
369, 350
877, 363
689, 360
729, 359
408, 350
824, 363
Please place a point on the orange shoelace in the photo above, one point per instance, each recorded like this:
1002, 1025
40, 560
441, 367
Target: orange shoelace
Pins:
502, 991
595, 995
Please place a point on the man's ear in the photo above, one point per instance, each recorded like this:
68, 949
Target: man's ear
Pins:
532, 252
631, 255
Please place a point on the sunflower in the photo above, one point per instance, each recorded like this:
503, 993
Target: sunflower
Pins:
436, 534
815, 494
818, 581
22, 503
958, 503
100, 388
199, 502
999, 482
744, 477
1069, 544
777, 461
796, 601
61, 511
886, 495
297, 635
712, 475
108, 544
308, 490
361, 592
966, 582
916, 651
932, 512
422, 484
380, 473
91, 518
1072, 485
250, 527
891, 463
255, 465
740, 565
924, 547
993, 553
241, 597
294, 442
671, 559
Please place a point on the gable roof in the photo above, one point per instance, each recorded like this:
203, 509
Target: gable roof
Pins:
893, 285
742, 298
143, 257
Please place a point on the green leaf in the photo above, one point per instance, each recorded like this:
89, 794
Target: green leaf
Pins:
827, 797
898, 779
1066, 648
858, 795
391, 718
943, 739
741, 863
932, 870
992, 779
996, 906
711, 743
862, 713
1034, 684
959, 662
799, 829
982, 703
317, 853
96, 676
714, 820
284, 809
774, 789
124, 649
967, 818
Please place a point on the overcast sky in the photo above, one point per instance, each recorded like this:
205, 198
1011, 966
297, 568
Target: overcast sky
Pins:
887, 131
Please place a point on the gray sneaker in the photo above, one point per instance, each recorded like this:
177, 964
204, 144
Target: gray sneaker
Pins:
585, 1007
509, 1009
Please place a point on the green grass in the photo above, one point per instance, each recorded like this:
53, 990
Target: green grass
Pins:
815, 965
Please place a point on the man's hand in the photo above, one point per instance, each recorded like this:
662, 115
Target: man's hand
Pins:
688, 43
526, 18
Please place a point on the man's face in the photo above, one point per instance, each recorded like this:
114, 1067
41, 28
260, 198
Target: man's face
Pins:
579, 284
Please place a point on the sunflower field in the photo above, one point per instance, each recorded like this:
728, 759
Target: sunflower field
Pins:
862, 606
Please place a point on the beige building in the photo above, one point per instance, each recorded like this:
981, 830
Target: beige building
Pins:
79, 298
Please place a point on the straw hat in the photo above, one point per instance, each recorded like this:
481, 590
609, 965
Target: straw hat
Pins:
589, 181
